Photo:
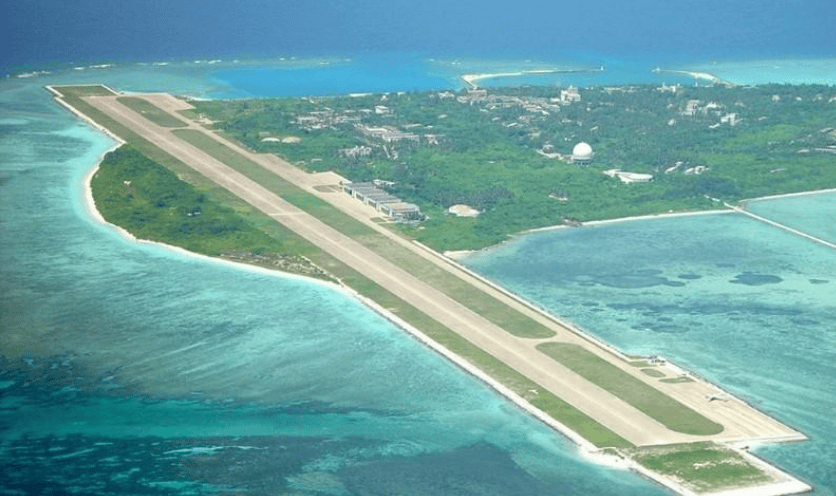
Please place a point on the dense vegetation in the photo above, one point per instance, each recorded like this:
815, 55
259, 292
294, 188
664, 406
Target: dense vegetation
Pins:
482, 150
703, 467
152, 203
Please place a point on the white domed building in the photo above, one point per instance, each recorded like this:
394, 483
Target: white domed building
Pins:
582, 154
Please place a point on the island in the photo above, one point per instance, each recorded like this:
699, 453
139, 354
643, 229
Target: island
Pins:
304, 184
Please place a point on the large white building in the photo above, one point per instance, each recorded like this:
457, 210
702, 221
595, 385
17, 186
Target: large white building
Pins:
382, 201
582, 154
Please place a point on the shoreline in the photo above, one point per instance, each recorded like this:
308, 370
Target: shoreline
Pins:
798, 437
458, 255
697, 75
58, 97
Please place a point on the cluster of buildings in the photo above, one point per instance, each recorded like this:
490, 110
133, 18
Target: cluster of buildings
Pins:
328, 119
383, 202
355, 152
389, 134
688, 171
545, 106
629, 177
696, 107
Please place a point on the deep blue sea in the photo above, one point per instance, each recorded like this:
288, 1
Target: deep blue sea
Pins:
127, 368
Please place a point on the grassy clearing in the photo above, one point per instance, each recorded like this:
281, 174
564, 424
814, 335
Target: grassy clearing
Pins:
578, 421
653, 373
659, 406
701, 466
82, 91
150, 111
677, 380
461, 291
191, 114
585, 426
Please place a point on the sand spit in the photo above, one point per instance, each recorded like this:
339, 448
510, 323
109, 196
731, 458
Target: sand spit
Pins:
472, 79
789, 229
698, 75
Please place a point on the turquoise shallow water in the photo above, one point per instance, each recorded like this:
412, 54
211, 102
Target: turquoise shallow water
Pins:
746, 305
131, 369
811, 214
820, 70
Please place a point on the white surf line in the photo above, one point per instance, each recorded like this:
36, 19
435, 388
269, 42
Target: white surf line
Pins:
781, 226
59, 98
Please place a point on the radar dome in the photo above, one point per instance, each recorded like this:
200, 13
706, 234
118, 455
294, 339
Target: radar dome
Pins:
582, 153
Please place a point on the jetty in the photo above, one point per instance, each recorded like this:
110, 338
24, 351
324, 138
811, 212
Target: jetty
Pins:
772, 223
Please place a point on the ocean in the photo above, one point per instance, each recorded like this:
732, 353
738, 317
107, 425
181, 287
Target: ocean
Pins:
132, 369
51, 34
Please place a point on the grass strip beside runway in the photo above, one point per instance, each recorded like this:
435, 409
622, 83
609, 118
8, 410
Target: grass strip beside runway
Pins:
645, 398
464, 293
150, 111
538, 396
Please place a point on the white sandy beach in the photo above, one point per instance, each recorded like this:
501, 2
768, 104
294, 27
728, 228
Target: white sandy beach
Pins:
593, 223
472, 79
698, 75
